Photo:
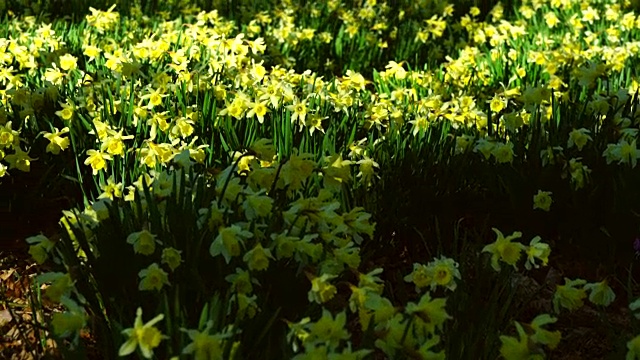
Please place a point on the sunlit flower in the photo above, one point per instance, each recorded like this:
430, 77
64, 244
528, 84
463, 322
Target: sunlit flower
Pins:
68, 62
146, 336
97, 160
321, 289
19, 160
57, 143
298, 111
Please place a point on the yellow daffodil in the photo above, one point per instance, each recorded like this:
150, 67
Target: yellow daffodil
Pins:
537, 250
579, 173
68, 62
143, 242
430, 311
321, 289
111, 189
542, 200
257, 206
97, 160
633, 347
205, 346
542, 336
445, 272
503, 152
337, 171
579, 138
91, 51
56, 142
600, 293
258, 109
67, 110
497, 104
241, 281
421, 276
19, 160
146, 336
485, 147
329, 330
298, 111
152, 278
247, 305
515, 348
172, 257
569, 296
504, 250
297, 169
229, 241
257, 259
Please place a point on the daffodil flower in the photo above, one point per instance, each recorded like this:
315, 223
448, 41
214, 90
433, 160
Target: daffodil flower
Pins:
329, 330
445, 271
634, 348
430, 311
143, 242
568, 296
321, 289
172, 257
579, 138
146, 336
537, 250
515, 348
421, 276
600, 293
542, 336
229, 241
205, 345
257, 259
153, 277
19, 160
542, 200
505, 250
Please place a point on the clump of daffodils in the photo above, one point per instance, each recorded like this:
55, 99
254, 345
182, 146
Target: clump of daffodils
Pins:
571, 295
415, 330
623, 152
509, 252
442, 271
531, 340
